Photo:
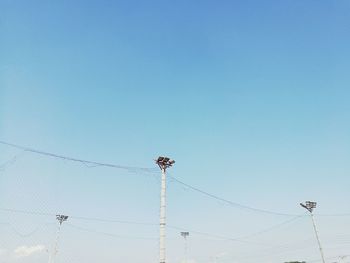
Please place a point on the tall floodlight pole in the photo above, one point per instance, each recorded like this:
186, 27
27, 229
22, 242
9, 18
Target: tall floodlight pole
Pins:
163, 163
61, 219
310, 206
185, 235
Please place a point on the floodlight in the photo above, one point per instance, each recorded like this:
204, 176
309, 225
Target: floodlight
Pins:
61, 218
164, 162
185, 234
310, 206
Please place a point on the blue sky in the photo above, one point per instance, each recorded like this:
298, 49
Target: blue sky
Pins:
251, 98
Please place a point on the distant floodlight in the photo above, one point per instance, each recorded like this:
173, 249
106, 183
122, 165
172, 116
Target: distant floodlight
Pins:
61, 218
310, 206
185, 234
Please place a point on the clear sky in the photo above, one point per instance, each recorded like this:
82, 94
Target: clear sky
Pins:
251, 98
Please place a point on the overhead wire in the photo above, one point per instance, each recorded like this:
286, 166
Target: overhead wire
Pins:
78, 217
333, 215
108, 234
84, 162
287, 248
26, 212
217, 236
27, 234
245, 207
11, 161
272, 227
241, 239
114, 221
229, 202
153, 170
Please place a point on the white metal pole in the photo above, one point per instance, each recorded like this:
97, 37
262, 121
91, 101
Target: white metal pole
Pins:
55, 249
186, 250
56, 243
162, 217
317, 237
53, 253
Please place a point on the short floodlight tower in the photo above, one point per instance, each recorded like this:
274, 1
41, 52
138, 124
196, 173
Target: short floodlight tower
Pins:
310, 206
60, 219
163, 163
185, 235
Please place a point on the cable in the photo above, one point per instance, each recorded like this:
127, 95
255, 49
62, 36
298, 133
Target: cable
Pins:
272, 227
333, 215
241, 206
153, 170
231, 203
108, 234
239, 239
11, 161
24, 235
26, 212
214, 235
130, 169
78, 217
85, 162
113, 221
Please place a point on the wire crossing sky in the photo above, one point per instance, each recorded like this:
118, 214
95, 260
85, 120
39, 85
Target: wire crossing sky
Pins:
134, 169
250, 98
140, 169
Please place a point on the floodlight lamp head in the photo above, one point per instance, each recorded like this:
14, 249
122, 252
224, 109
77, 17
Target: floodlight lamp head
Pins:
164, 162
310, 206
185, 234
61, 218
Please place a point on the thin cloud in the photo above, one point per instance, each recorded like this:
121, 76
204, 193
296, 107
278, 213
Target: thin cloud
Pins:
25, 251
